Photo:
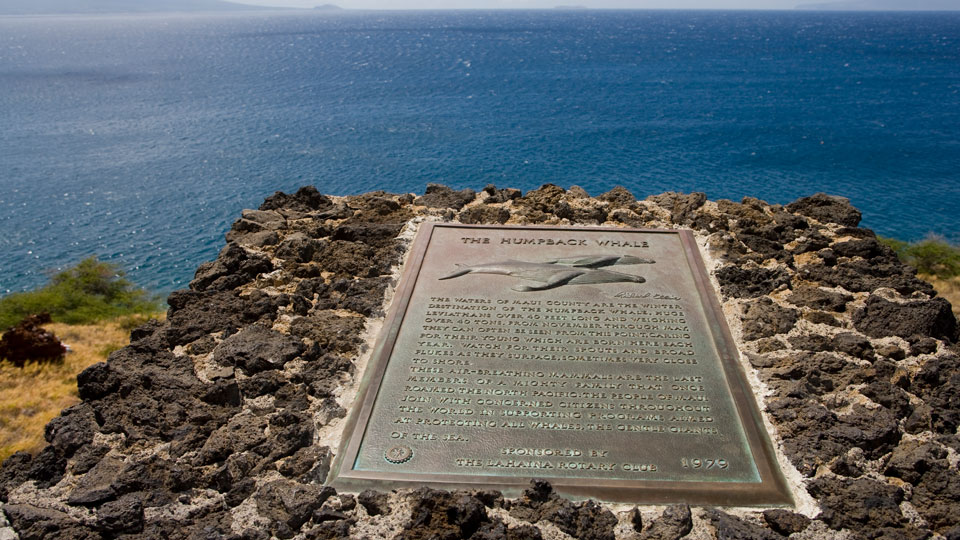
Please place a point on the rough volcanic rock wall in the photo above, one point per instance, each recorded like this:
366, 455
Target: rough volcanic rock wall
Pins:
218, 422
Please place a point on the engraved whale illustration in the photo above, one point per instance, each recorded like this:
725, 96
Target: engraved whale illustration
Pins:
557, 272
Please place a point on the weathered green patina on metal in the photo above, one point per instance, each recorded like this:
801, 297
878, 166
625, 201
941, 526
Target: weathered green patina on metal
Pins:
595, 358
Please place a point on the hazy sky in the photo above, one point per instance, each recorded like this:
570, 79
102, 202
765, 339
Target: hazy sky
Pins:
504, 4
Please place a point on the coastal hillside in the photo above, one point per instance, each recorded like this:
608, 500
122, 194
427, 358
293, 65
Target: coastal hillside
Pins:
222, 420
55, 7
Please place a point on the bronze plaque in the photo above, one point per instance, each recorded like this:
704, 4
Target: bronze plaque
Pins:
595, 358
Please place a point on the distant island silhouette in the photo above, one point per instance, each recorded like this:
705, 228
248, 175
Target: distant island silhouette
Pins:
328, 7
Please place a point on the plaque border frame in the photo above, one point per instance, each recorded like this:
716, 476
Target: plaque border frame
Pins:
771, 491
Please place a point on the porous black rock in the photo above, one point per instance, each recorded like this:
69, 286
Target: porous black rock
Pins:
861, 275
826, 209
618, 197
37, 523
763, 318
124, 515
911, 459
817, 298
675, 523
440, 196
306, 199
288, 504
740, 282
195, 315
374, 502
484, 215
257, 348
443, 514
881, 317
681, 207
73, 429
586, 520
28, 341
785, 522
234, 266
733, 528
858, 504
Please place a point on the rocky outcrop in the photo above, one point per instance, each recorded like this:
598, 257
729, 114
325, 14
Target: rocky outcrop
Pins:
221, 422
28, 341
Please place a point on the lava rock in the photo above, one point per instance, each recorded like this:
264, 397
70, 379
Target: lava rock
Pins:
619, 197
442, 514
261, 384
785, 522
817, 298
936, 496
911, 459
675, 523
259, 239
881, 317
764, 318
635, 518
583, 212
938, 385
484, 215
47, 468
14, 472
731, 527
922, 345
28, 341
97, 485
331, 332
297, 248
440, 196
288, 505
495, 195
826, 209
243, 432
867, 248
233, 267
682, 207
72, 429
308, 465
739, 282
348, 259
193, 314
889, 396
257, 348
36, 523
125, 515
543, 199
306, 199
853, 344
804, 426
858, 504
586, 520
374, 502
860, 275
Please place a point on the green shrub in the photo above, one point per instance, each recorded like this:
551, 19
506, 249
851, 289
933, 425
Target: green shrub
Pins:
88, 292
932, 256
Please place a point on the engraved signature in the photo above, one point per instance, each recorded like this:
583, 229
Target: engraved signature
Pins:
656, 296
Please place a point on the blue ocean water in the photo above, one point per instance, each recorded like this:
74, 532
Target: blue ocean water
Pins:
140, 138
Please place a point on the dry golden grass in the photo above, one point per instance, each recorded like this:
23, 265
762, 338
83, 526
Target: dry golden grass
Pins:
33, 395
947, 288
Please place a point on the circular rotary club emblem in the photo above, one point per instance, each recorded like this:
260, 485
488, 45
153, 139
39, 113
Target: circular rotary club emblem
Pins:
398, 454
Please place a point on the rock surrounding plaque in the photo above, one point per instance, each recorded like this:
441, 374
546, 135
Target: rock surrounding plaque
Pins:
595, 358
